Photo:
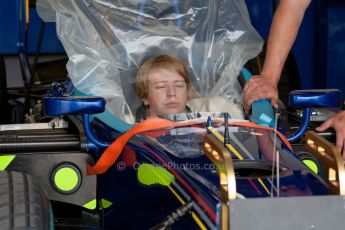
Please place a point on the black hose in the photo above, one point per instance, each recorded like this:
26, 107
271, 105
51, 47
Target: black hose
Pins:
33, 69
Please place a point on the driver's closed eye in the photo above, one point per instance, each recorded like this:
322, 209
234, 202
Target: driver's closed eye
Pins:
160, 86
180, 85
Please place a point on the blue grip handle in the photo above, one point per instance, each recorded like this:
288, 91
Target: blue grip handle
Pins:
262, 111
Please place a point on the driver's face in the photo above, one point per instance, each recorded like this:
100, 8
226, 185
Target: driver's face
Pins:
167, 93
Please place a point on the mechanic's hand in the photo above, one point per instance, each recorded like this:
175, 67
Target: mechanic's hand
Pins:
337, 122
259, 87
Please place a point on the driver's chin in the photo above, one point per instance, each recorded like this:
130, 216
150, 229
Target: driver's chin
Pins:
169, 111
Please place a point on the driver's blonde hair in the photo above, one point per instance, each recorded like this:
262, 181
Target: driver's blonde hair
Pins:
167, 62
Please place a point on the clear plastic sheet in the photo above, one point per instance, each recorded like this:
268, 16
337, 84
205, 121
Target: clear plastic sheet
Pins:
108, 40
187, 142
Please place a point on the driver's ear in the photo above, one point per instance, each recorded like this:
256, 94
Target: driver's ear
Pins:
146, 102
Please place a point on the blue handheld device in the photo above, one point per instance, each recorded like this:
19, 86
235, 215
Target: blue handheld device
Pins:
262, 111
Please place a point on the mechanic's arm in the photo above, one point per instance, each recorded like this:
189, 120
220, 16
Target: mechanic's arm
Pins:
285, 25
337, 122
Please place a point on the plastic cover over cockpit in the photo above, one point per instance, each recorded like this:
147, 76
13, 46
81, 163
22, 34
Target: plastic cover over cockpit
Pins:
108, 40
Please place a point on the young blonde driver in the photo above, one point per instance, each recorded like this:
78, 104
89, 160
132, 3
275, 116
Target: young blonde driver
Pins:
163, 85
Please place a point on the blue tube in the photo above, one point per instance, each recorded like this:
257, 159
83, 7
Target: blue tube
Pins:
303, 127
90, 135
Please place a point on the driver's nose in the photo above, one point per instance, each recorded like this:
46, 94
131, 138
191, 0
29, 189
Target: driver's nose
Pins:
171, 91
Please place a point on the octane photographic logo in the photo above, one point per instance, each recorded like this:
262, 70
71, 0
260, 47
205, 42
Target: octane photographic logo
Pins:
150, 174
122, 165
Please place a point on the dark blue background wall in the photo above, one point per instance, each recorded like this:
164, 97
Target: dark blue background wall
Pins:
9, 28
320, 46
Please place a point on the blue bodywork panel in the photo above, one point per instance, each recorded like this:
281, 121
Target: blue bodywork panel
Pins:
131, 198
57, 106
330, 98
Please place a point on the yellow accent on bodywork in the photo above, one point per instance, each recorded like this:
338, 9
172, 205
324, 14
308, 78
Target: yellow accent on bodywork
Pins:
5, 160
312, 165
91, 204
106, 203
66, 179
150, 174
